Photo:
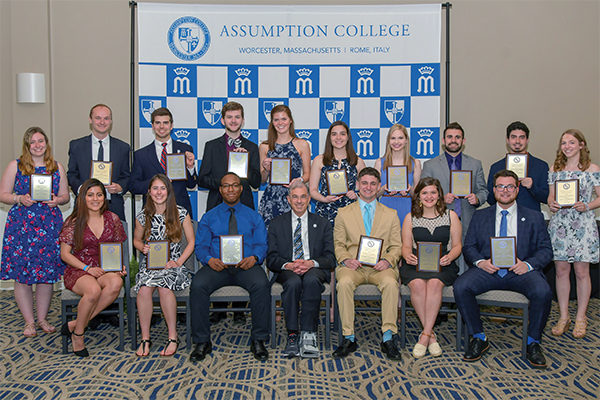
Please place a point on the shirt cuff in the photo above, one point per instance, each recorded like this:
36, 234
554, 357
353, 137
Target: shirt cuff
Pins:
316, 264
528, 266
283, 267
477, 262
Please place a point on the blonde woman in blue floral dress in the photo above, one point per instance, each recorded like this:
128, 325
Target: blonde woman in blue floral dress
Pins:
573, 230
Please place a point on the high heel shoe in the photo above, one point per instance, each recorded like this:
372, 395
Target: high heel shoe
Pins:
419, 350
562, 325
434, 348
580, 328
83, 352
143, 343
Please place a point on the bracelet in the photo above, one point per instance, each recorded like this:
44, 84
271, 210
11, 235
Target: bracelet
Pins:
86, 267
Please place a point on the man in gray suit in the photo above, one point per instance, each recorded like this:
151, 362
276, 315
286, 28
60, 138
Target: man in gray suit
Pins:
454, 159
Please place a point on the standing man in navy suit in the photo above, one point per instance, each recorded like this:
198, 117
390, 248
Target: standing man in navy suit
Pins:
534, 187
301, 253
147, 160
533, 252
100, 146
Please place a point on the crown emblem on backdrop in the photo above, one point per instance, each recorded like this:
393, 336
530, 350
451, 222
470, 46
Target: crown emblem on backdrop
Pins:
245, 134
181, 71
365, 71
242, 72
426, 70
364, 134
425, 132
182, 133
304, 72
304, 134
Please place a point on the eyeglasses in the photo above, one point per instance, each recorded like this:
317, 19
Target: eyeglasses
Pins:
508, 188
231, 186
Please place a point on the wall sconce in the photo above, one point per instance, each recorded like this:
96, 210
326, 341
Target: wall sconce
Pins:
31, 87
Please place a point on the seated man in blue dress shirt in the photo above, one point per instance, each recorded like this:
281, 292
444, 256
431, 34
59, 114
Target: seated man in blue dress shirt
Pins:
230, 218
533, 252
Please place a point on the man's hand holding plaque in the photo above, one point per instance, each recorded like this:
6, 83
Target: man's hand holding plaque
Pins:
111, 259
518, 163
102, 170
231, 249
158, 254
503, 251
460, 183
369, 250
176, 167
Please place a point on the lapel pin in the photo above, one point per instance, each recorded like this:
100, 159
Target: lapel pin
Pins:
523, 219
314, 225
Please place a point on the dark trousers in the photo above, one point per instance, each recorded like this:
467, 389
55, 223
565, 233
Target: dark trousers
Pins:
207, 280
532, 285
305, 289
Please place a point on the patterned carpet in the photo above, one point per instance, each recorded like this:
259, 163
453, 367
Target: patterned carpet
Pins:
35, 369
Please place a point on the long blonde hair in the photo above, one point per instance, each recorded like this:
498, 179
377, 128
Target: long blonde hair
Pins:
26, 164
387, 156
584, 155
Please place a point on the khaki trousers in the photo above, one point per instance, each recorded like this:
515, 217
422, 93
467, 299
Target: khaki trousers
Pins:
387, 283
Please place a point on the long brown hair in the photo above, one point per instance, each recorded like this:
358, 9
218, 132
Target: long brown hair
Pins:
272, 133
26, 164
79, 216
328, 152
387, 156
417, 206
584, 155
172, 223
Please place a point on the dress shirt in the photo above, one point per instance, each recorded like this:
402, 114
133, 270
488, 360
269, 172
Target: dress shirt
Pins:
158, 147
215, 223
458, 159
363, 210
106, 148
511, 220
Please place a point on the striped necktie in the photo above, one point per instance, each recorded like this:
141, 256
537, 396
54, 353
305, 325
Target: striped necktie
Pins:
298, 247
163, 157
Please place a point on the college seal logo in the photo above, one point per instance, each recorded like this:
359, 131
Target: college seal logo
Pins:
188, 38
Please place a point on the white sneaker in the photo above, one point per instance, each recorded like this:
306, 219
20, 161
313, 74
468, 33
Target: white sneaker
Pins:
309, 347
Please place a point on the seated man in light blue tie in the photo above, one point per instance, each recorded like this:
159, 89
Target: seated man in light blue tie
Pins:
367, 217
533, 252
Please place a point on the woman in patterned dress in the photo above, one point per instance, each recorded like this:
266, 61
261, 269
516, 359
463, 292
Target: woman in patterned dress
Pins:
397, 153
89, 225
429, 221
281, 143
162, 219
573, 230
30, 250
338, 154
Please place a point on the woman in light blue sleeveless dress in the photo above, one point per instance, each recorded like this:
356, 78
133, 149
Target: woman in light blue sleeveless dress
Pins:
281, 143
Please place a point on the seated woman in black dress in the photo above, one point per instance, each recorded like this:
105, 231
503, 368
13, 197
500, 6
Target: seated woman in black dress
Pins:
429, 221
89, 225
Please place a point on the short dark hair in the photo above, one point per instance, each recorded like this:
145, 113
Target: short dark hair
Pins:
369, 171
232, 106
161, 112
454, 125
230, 173
517, 125
506, 173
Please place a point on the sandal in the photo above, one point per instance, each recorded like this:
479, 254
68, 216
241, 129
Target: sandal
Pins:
143, 343
169, 341
46, 327
29, 330
420, 349
580, 328
561, 326
434, 348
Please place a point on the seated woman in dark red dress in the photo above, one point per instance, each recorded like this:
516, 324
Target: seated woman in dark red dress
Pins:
90, 224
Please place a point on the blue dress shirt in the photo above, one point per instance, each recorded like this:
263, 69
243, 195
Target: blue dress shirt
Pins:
215, 223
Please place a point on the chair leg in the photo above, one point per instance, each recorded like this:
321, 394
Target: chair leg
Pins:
338, 322
63, 319
121, 326
459, 328
273, 317
403, 323
133, 325
327, 324
188, 324
525, 332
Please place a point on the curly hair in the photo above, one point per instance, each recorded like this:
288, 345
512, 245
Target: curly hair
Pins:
584, 155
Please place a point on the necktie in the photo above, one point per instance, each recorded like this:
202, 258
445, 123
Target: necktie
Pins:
298, 247
503, 232
232, 223
368, 218
457, 208
163, 157
100, 152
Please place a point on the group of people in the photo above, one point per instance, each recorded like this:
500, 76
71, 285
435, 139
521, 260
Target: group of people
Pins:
299, 247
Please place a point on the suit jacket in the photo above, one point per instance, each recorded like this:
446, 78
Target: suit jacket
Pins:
530, 198
533, 241
349, 226
438, 168
146, 165
281, 246
80, 157
214, 166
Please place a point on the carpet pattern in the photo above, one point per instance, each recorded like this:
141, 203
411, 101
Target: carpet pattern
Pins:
34, 368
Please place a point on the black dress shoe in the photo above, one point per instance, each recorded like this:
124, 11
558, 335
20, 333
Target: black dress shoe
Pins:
477, 348
239, 318
259, 350
535, 356
345, 348
390, 350
200, 351
215, 317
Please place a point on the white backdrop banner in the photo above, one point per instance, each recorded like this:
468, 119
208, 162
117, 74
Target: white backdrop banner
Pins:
369, 66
